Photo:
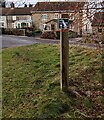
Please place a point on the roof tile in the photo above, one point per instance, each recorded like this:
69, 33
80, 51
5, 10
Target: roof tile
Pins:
58, 6
17, 11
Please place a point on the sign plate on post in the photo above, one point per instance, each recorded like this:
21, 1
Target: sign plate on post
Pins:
63, 23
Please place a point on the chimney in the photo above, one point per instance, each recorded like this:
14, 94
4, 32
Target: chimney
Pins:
25, 5
3, 4
30, 5
12, 5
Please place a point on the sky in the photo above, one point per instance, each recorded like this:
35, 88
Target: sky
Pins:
30, 1
34, 1
27, 1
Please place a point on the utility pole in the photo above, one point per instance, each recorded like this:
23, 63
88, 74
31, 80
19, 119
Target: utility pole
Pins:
64, 59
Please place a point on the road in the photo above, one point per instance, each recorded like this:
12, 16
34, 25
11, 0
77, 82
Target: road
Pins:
9, 41
14, 41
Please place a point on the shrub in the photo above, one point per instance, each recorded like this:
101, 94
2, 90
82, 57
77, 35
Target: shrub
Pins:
28, 33
8, 31
48, 35
13, 31
93, 38
73, 34
18, 32
101, 38
37, 31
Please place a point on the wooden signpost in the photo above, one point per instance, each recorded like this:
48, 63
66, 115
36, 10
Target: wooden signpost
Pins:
64, 58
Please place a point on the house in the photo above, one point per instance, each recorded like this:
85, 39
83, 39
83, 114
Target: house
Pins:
3, 22
98, 22
56, 24
16, 17
46, 15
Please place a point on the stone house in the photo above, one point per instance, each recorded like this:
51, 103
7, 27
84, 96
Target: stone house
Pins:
17, 17
45, 15
3, 22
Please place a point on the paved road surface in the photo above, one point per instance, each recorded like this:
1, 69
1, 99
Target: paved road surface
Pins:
14, 41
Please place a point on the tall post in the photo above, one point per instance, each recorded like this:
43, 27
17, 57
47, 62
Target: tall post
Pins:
64, 59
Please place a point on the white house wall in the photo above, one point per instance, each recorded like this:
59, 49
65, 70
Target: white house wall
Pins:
3, 20
12, 20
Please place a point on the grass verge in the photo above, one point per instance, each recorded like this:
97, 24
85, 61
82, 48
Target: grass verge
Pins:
31, 83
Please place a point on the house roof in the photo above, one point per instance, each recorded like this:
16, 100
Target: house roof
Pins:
98, 19
16, 11
57, 6
43, 7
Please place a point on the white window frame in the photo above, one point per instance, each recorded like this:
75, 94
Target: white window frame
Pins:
56, 16
43, 26
2, 24
44, 16
18, 25
14, 17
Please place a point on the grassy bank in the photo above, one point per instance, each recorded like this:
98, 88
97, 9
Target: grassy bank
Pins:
31, 83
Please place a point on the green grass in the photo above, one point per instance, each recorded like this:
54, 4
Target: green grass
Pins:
31, 83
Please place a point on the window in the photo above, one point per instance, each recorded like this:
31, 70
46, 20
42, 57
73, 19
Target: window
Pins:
27, 24
44, 17
3, 24
2, 18
14, 17
52, 26
56, 16
44, 27
23, 25
18, 25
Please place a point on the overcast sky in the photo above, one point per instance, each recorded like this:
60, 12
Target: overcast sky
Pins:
34, 1
20, 2
27, 1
